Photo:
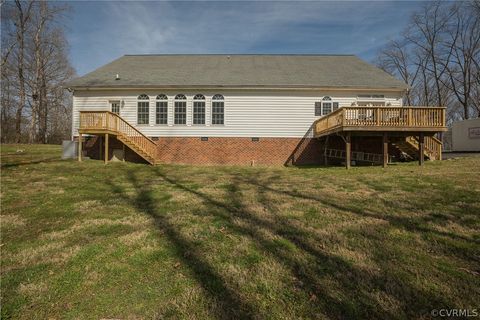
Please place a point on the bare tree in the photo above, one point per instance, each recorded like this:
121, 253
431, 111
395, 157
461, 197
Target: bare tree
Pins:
21, 22
438, 56
395, 59
426, 32
35, 66
464, 43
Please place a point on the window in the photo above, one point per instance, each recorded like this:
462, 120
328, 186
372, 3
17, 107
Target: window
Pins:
326, 105
371, 96
161, 112
115, 106
143, 109
370, 100
199, 109
180, 109
218, 108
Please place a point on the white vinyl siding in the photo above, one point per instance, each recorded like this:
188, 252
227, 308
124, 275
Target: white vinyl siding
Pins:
247, 113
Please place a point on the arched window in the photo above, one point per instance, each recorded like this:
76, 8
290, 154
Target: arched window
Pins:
199, 109
180, 109
161, 111
143, 109
218, 109
325, 106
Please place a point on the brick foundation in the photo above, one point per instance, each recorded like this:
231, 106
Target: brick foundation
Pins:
239, 151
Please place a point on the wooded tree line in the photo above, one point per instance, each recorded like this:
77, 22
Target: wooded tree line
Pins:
35, 107
438, 56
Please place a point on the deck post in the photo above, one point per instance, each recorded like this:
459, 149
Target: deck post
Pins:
79, 147
439, 157
348, 148
100, 147
325, 151
421, 149
123, 159
385, 149
106, 148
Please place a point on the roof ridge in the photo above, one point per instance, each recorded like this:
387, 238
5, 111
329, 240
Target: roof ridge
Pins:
242, 54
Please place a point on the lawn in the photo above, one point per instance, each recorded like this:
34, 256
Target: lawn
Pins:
132, 241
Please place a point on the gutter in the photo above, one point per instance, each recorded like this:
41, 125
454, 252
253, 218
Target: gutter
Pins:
280, 88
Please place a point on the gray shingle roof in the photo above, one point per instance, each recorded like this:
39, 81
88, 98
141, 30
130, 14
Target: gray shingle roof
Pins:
326, 71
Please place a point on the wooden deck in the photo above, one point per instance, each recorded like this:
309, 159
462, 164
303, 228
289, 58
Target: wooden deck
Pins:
108, 123
410, 129
382, 119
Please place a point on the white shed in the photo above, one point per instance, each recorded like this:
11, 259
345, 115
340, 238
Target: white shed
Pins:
466, 135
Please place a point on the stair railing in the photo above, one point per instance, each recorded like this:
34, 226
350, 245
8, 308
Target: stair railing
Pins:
108, 121
432, 145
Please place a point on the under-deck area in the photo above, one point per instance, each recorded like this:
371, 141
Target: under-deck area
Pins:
408, 130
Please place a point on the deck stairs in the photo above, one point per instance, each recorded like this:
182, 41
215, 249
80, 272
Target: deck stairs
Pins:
409, 147
105, 122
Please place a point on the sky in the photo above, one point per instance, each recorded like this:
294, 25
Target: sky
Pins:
101, 31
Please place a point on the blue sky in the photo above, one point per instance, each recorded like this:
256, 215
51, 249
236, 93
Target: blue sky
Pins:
101, 31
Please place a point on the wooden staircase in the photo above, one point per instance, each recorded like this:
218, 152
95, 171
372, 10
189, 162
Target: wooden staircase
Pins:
106, 122
409, 146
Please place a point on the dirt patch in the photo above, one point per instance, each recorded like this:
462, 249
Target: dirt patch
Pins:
86, 206
12, 220
133, 221
134, 238
32, 289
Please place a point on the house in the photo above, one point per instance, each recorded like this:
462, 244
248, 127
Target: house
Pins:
249, 109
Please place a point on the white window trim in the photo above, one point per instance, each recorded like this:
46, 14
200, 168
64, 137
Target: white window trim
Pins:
373, 99
149, 124
204, 100
110, 102
211, 110
155, 110
186, 110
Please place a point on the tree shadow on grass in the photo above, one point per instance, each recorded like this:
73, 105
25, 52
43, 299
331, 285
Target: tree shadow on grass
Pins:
407, 223
230, 303
24, 163
313, 266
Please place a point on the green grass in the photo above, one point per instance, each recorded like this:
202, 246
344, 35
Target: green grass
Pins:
89, 241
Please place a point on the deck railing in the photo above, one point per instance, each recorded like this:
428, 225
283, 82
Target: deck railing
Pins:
382, 117
106, 121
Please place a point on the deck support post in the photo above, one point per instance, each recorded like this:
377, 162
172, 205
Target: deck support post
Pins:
421, 149
325, 151
348, 148
106, 148
100, 147
123, 159
385, 149
80, 147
